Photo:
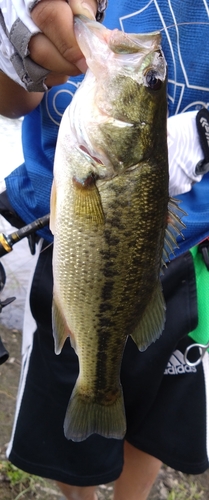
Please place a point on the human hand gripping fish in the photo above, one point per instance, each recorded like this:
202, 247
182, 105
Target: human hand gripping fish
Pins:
113, 223
55, 47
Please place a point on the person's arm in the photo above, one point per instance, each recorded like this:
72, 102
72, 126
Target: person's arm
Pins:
15, 101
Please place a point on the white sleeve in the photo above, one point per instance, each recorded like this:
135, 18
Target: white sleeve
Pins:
184, 152
16, 29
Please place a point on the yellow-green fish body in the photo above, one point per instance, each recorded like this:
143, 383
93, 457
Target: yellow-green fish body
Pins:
109, 213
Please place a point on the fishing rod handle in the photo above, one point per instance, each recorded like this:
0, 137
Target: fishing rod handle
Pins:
7, 242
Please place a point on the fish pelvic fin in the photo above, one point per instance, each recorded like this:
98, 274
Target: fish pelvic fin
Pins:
85, 417
87, 201
60, 328
152, 322
173, 230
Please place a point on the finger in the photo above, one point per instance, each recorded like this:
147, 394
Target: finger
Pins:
54, 79
44, 53
55, 20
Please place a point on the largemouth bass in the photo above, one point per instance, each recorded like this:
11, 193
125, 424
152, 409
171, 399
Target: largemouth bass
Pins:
109, 216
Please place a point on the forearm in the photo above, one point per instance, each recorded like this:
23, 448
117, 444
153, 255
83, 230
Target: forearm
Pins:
15, 101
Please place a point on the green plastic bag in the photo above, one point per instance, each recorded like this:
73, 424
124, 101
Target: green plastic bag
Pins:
201, 332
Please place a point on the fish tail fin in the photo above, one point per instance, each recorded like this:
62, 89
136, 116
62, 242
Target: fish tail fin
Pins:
85, 417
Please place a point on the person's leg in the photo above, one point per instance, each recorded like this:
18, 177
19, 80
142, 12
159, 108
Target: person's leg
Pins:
77, 492
139, 473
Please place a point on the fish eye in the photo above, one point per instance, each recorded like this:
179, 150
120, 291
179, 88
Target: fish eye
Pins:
152, 80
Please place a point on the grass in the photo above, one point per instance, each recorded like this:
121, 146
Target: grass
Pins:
24, 485
185, 492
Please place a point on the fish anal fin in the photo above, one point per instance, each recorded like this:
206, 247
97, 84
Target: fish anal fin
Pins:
152, 322
87, 201
52, 208
85, 417
60, 328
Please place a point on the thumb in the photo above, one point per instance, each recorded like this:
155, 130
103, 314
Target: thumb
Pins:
86, 8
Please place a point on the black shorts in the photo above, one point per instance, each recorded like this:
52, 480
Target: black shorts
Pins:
166, 401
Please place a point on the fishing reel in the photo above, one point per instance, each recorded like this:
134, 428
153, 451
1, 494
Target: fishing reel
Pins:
6, 246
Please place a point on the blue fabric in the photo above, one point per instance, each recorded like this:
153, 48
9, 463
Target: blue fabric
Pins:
29, 185
188, 88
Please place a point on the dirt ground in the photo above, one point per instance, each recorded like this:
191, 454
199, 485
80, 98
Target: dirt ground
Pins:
15, 485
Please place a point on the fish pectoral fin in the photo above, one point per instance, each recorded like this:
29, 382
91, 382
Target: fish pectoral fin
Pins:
152, 322
60, 329
52, 208
87, 201
85, 417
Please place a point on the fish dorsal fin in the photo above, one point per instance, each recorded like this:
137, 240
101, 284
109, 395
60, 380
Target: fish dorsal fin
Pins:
173, 230
60, 329
152, 322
